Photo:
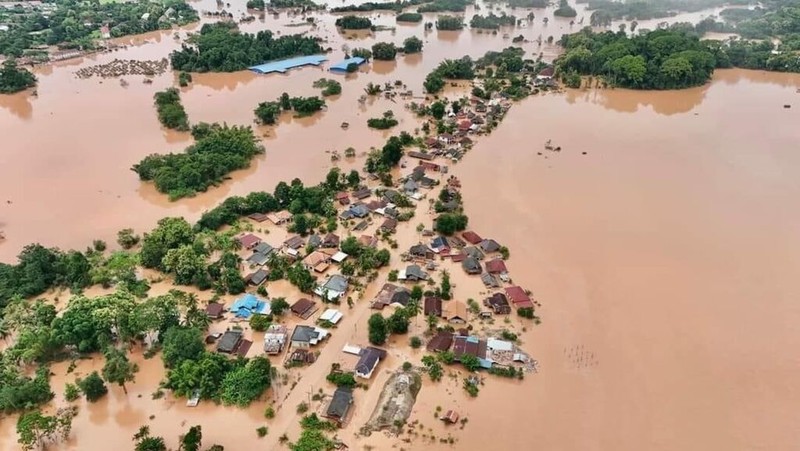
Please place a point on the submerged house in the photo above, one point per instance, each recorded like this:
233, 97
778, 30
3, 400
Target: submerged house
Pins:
340, 405
412, 273
368, 361
304, 308
471, 265
248, 241
498, 302
307, 336
275, 339
229, 342
334, 288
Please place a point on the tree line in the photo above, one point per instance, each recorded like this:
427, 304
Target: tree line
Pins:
14, 78
171, 113
220, 47
267, 113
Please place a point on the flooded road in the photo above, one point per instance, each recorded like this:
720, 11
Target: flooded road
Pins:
665, 257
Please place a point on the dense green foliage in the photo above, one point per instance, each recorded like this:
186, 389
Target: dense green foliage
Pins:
460, 69
378, 329
385, 122
450, 223
220, 47
181, 344
438, 6
492, 21
204, 164
449, 23
256, 4
644, 10
384, 51
35, 429
409, 17
14, 79
171, 113
378, 6
329, 86
565, 10
267, 113
118, 369
362, 53
412, 44
342, 379
389, 155
665, 59
19, 392
72, 23
93, 387
246, 383
353, 23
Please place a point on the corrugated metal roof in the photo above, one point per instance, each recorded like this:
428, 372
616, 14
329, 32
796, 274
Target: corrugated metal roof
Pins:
283, 65
342, 65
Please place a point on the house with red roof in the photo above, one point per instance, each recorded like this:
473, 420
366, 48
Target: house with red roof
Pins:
519, 297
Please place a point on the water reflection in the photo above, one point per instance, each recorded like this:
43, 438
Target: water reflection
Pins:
18, 104
630, 101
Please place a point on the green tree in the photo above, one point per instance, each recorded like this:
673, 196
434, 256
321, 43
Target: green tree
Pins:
279, 306
193, 439
412, 44
180, 344
143, 441
118, 369
35, 429
449, 223
629, 70
170, 233
246, 383
438, 109
14, 79
398, 322
127, 238
267, 113
93, 387
470, 362
384, 51
378, 329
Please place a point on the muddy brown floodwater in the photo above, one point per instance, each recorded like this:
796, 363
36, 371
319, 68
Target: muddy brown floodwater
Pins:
666, 257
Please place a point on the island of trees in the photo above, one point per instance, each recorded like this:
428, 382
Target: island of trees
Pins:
492, 21
14, 79
218, 150
397, 6
438, 6
329, 86
267, 113
73, 24
384, 122
663, 59
220, 47
353, 23
409, 17
449, 23
384, 51
565, 10
460, 69
171, 113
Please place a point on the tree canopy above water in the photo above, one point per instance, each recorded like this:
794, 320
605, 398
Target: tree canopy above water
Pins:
221, 47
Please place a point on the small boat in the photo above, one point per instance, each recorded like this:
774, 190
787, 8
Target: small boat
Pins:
345, 125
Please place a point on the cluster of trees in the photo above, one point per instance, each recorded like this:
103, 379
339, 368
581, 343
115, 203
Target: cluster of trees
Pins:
661, 59
174, 247
412, 44
438, 6
492, 21
171, 113
361, 53
218, 150
221, 47
409, 17
329, 86
449, 23
397, 6
35, 429
450, 223
642, 10
294, 196
389, 155
75, 24
256, 4
351, 22
192, 440
14, 79
385, 122
312, 437
384, 51
366, 258
460, 69
565, 10
268, 112
192, 369
380, 328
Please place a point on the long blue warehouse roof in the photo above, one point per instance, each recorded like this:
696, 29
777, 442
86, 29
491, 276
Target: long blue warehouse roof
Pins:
283, 65
342, 65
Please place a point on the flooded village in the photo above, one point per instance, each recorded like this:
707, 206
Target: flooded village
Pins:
591, 286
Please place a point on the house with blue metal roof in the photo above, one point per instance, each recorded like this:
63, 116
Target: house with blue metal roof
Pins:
282, 66
341, 66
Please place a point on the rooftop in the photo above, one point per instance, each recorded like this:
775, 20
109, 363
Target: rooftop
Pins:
282, 66
341, 66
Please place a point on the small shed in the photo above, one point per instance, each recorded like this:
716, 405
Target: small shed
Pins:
451, 417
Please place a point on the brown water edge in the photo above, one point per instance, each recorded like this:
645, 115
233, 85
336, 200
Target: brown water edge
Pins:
668, 252
66, 154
